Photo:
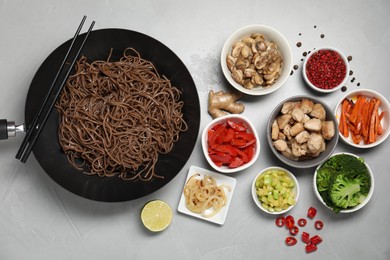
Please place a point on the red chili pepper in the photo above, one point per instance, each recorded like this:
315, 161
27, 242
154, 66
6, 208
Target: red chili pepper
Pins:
289, 223
280, 221
302, 222
315, 240
290, 241
311, 213
305, 238
294, 230
310, 248
236, 126
318, 224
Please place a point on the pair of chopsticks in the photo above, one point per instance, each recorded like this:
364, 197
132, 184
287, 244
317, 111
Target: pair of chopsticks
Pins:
54, 92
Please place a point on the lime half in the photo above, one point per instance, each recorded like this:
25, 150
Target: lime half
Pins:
156, 215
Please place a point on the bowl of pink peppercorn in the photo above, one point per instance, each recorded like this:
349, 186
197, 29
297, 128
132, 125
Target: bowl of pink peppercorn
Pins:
325, 69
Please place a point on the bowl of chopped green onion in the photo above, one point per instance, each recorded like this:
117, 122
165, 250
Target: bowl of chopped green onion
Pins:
344, 183
275, 190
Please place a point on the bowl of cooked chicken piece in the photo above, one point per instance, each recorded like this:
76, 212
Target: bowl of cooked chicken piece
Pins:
302, 131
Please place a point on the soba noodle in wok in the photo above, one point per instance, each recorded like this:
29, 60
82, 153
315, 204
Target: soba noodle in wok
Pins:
118, 116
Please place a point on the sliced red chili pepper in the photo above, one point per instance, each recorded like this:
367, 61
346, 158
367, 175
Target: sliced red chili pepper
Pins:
310, 248
237, 162
290, 241
289, 222
318, 224
294, 230
302, 222
236, 126
305, 238
311, 213
315, 240
280, 221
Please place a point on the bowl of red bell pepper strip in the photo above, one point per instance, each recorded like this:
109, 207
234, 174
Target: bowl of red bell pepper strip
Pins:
230, 143
363, 118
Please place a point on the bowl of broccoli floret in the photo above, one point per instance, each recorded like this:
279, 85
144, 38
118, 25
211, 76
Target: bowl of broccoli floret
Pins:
344, 183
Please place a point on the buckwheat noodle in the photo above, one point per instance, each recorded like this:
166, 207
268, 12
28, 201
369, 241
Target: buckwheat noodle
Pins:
118, 116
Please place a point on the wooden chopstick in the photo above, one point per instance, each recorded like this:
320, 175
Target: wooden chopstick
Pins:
40, 118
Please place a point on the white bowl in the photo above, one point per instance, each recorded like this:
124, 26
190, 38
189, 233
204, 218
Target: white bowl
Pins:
270, 34
250, 129
295, 190
361, 205
384, 106
310, 84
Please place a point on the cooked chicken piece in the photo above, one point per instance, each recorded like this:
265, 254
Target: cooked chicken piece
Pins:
297, 114
305, 118
280, 145
274, 130
328, 130
288, 153
281, 136
313, 124
315, 143
287, 107
302, 137
306, 105
318, 111
298, 149
283, 120
286, 131
296, 129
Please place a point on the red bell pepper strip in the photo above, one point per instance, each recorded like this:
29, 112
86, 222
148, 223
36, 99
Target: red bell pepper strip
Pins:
249, 143
244, 135
221, 158
236, 126
237, 162
229, 135
240, 143
226, 149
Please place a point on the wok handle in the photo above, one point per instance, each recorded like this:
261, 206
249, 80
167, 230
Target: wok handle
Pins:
9, 129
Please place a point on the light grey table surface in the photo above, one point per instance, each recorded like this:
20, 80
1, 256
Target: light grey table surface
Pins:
41, 220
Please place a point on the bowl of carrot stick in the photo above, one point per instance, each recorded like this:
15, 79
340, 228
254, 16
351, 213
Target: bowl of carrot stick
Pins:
363, 117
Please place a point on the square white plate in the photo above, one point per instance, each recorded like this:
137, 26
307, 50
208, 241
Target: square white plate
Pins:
221, 179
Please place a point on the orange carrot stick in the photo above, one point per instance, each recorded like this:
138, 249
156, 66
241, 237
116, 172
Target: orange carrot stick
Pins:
372, 133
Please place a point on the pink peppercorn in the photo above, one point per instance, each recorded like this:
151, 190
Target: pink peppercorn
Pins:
326, 69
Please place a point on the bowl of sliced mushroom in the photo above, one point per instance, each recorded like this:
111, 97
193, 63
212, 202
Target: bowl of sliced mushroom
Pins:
256, 59
302, 131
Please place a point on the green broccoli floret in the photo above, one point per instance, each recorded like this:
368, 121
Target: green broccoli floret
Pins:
343, 181
346, 192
